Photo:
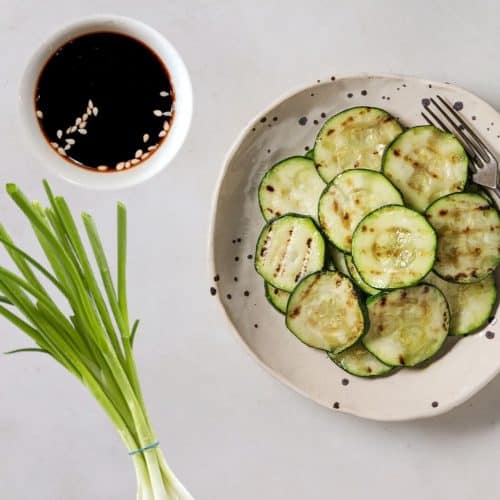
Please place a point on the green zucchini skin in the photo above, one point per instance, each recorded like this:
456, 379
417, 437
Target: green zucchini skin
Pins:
290, 186
354, 138
276, 297
310, 154
407, 326
468, 229
425, 163
471, 304
355, 276
475, 189
358, 361
325, 312
348, 198
293, 233
337, 258
393, 247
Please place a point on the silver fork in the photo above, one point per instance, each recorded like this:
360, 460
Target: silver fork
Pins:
483, 163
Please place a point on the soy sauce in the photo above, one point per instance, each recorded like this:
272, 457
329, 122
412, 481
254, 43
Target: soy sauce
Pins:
104, 101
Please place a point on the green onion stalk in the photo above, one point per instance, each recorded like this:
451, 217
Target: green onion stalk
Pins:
95, 341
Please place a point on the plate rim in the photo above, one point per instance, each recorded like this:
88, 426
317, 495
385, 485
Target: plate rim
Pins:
230, 153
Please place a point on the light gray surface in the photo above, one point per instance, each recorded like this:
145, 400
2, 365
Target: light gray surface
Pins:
228, 429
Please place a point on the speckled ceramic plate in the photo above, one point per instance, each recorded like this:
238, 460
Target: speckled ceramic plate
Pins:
289, 127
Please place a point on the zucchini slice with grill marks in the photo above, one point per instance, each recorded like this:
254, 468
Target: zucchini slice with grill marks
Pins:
291, 186
393, 247
324, 311
474, 188
276, 297
354, 273
354, 138
289, 248
348, 198
358, 361
468, 229
426, 163
407, 326
471, 304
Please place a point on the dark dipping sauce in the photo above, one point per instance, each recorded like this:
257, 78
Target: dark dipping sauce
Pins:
104, 101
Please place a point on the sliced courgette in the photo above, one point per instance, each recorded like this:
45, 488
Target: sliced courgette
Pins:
357, 360
324, 312
354, 273
291, 186
468, 229
407, 326
471, 304
474, 188
289, 248
354, 138
426, 163
337, 258
276, 297
348, 198
393, 247
310, 154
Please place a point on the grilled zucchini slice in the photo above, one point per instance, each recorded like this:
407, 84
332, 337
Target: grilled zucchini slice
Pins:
358, 361
289, 248
426, 163
354, 138
354, 273
348, 198
468, 229
337, 259
471, 304
393, 247
407, 326
291, 186
276, 297
324, 312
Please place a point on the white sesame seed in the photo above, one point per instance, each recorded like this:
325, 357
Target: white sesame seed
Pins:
85, 117
157, 112
73, 129
68, 130
166, 125
128, 164
145, 155
61, 151
162, 134
145, 138
83, 124
102, 168
68, 146
152, 147
164, 93
172, 107
88, 111
138, 153
167, 113
70, 141
59, 134
54, 145
90, 104
39, 114
135, 161
120, 165
78, 121
95, 111
82, 131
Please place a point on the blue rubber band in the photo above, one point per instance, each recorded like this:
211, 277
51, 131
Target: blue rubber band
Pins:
146, 448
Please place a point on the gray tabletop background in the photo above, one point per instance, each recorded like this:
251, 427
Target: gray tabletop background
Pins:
228, 429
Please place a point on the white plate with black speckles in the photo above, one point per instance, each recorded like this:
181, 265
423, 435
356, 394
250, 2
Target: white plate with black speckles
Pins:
288, 128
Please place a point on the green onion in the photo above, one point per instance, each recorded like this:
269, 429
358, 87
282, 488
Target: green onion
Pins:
95, 341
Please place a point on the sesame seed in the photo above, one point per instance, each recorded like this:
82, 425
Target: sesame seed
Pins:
95, 111
73, 129
138, 153
78, 121
90, 104
70, 141
134, 161
128, 164
120, 165
88, 111
82, 124
82, 131
54, 145
145, 138
145, 155
102, 168
68, 146
162, 134
150, 148
166, 125
172, 107
157, 112
164, 93
59, 134
39, 114
68, 130
61, 151
85, 117
167, 113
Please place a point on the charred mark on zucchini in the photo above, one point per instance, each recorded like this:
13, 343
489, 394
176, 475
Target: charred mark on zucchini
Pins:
271, 189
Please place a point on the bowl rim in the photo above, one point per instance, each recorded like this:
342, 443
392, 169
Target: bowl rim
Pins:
430, 413
181, 83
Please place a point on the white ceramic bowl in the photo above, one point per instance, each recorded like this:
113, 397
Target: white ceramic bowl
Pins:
169, 146
286, 128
